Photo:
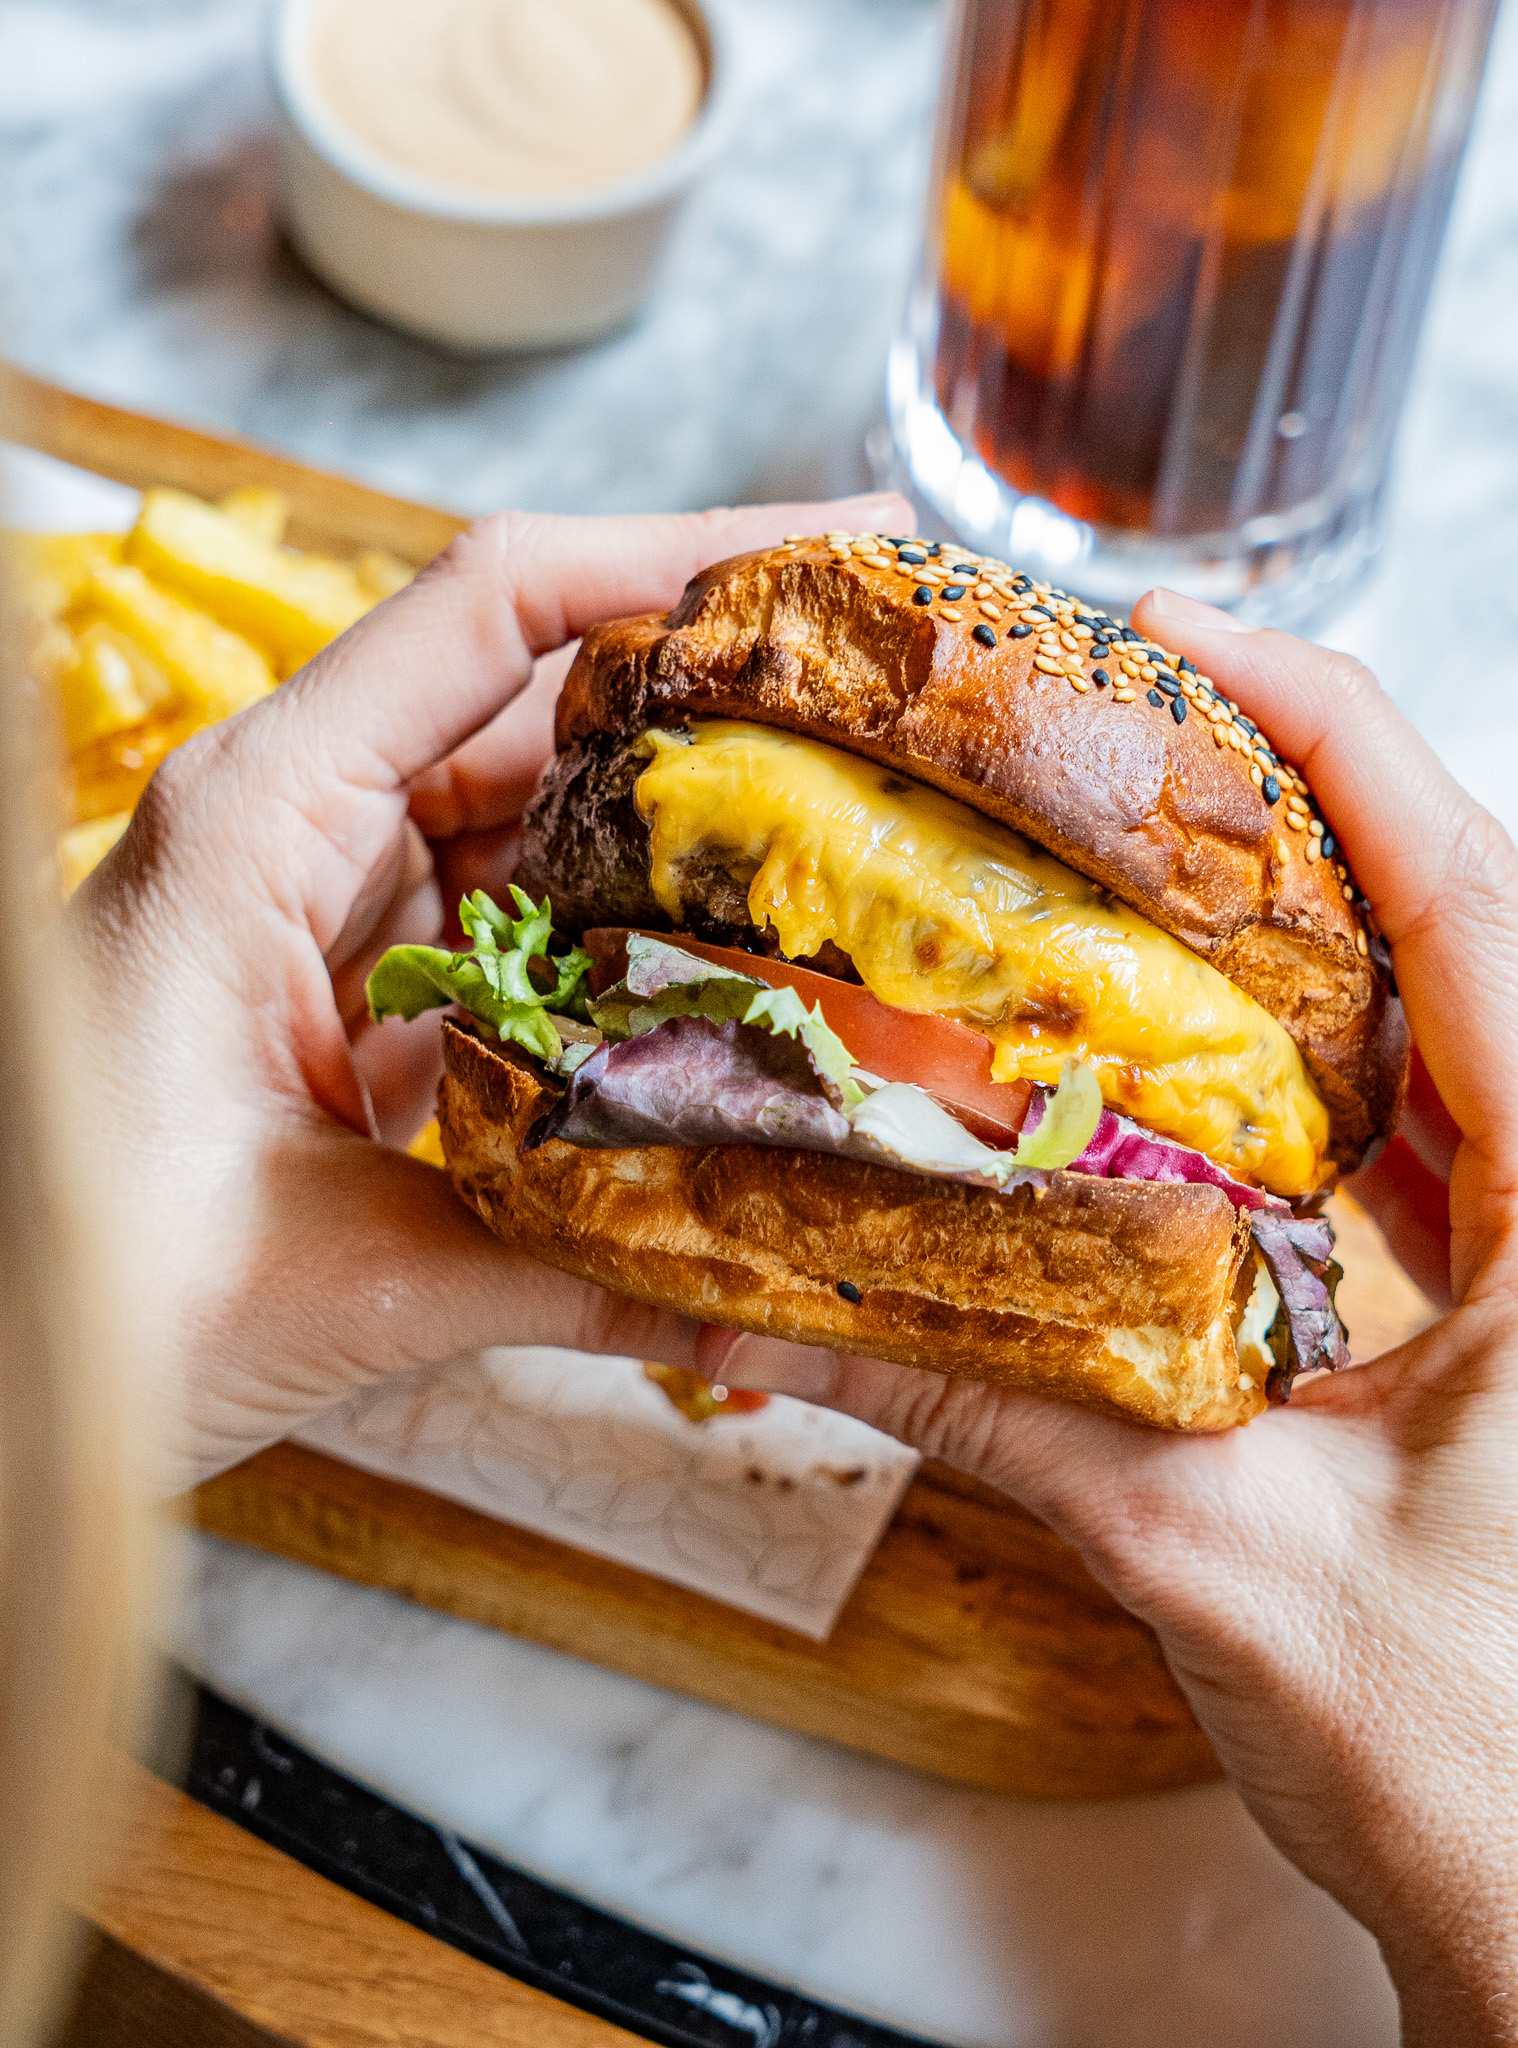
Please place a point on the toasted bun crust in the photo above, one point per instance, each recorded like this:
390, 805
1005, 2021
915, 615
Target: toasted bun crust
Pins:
1118, 1295
829, 640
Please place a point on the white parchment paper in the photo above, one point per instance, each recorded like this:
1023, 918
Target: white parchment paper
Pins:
775, 1512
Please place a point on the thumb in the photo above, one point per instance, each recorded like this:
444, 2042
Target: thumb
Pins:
1046, 1454
414, 678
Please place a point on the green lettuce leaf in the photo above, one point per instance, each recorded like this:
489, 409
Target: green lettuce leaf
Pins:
492, 979
1070, 1117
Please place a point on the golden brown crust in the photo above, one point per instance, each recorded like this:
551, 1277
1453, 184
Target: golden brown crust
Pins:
830, 642
1113, 1294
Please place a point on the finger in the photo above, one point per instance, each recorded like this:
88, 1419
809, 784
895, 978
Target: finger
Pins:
1411, 1205
475, 860
399, 1066
415, 678
1425, 1123
485, 783
413, 917
1439, 872
403, 869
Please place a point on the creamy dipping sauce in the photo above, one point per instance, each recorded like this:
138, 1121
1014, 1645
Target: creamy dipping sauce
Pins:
515, 97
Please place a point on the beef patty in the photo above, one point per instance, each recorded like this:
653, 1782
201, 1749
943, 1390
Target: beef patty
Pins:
585, 848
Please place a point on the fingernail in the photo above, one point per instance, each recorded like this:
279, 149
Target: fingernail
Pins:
1190, 611
780, 1368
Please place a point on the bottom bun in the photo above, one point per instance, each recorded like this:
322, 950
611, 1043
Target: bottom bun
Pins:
1119, 1295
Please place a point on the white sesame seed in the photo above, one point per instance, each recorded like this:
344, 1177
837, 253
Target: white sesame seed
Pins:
1360, 946
1049, 666
947, 611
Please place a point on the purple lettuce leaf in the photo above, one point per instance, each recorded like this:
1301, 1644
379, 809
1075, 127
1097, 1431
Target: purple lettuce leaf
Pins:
1308, 1334
1126, 1151
696, 1081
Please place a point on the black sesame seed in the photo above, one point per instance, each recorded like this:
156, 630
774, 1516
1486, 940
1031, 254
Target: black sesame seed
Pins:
953, 590
1178, 709
964, 569
1186, 667
1165, 680
1100, 645
1168, 684
936, 550
1271, 790
923, 594
1041, 611
912, 555
1100, 677
1156, 699
1249, 727
984, 635
849, 1291
1019, 632
1128, 633
1021, 583
1330, 846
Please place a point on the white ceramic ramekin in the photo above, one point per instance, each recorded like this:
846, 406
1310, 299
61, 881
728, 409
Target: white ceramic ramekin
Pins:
468, 269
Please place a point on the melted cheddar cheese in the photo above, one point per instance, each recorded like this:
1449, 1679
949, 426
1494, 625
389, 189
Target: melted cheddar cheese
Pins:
944, 911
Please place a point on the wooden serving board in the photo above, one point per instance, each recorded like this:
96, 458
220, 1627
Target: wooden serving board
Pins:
975, 1646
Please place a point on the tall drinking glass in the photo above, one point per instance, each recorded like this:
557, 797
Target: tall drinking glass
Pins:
1177, 257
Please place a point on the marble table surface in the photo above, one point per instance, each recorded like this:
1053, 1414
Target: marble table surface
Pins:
140, 262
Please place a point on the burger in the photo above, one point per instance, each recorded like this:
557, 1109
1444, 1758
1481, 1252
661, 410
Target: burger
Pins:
908, 958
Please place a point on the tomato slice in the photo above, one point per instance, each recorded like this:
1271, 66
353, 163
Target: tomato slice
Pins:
949, 1060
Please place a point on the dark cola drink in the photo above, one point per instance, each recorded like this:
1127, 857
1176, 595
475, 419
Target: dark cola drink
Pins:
1177, 256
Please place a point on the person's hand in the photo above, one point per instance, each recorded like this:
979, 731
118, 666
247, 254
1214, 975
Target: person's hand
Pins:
1336, 1586
278, 1257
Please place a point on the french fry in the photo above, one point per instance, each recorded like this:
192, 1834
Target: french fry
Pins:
291, 604
214, 671
109, 686
112, 774
140, 640
257, 510
84, 847
52, 568
381, 575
